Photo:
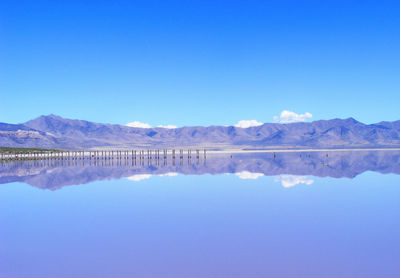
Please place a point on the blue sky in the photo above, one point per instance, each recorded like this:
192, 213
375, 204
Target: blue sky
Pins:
199, 62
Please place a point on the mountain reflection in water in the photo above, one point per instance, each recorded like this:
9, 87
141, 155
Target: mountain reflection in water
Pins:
290, 168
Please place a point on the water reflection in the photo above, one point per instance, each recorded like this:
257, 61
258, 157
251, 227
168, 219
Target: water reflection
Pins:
290, 168
229, 220
246, 175
291, 180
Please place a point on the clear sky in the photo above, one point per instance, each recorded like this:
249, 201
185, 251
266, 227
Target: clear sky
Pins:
199, 62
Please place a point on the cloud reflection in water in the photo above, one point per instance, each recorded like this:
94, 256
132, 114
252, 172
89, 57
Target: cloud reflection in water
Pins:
292, 180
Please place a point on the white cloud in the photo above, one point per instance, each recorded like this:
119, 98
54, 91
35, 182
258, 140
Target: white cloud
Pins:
291, 117
291, 180
246, 175
144, 125
168, 126
169, 174
139, 177
138, 124
248, 123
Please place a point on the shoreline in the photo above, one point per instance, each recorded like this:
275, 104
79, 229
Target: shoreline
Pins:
27, 154
298, 150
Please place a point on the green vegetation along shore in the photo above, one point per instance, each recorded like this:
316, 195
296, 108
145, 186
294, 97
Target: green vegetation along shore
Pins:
7, 150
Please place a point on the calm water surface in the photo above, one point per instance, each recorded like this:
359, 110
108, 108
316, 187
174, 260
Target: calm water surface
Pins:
295, 215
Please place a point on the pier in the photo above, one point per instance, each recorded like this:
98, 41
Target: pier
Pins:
105, 155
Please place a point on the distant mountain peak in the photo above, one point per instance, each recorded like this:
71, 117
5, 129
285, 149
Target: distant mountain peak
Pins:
49, 116
351, 120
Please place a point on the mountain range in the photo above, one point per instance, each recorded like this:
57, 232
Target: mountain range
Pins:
52, 131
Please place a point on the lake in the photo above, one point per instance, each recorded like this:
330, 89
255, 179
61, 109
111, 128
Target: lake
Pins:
310, 214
